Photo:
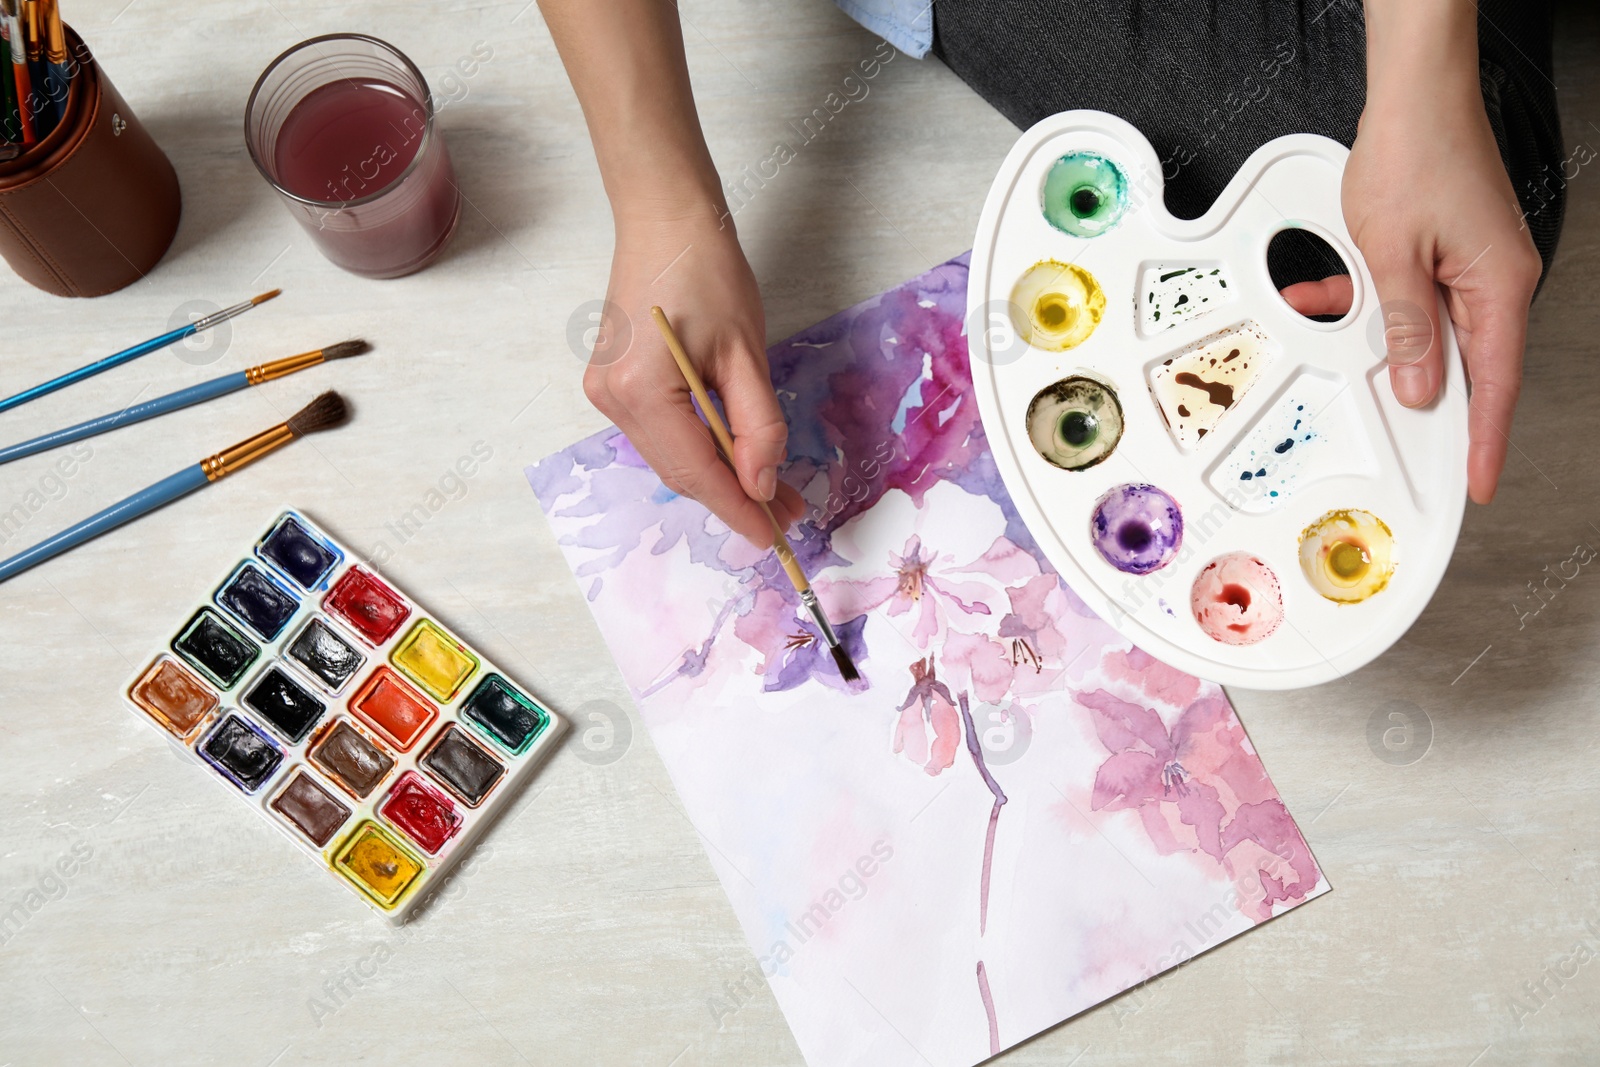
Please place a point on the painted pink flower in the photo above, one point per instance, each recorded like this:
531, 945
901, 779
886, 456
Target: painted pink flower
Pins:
1025, 653
1198, 786
1269, 861
917, 589
1030, 629
1146, 771
928, 731
924, 582
980, 664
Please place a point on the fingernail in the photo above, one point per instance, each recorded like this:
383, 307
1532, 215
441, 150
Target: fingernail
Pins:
767, 482
1407, 342
1410, 385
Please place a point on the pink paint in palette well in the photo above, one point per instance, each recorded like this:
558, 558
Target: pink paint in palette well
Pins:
1237, 599
1004, 740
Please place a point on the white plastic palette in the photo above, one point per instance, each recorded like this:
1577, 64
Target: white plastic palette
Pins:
353, 721
1356, 446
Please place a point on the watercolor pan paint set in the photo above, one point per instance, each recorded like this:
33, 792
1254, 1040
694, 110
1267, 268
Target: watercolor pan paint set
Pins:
349, 718
1230, 484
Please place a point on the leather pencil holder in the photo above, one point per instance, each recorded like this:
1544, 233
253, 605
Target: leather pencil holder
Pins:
93, 206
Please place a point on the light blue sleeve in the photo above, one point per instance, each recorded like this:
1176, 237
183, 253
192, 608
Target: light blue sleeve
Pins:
906, 24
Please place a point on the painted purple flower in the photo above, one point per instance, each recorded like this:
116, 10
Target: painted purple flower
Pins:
792, 649
627, 504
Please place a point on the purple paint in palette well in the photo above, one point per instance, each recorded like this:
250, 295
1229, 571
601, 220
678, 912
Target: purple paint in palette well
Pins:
243, 754
959, 626
1137, 528
299, 553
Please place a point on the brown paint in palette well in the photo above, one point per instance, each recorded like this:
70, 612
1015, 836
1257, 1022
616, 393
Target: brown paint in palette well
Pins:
311, 809
356, 763
462, 766
174, 697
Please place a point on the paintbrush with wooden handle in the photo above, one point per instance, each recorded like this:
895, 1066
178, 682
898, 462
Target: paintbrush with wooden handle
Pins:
780, 543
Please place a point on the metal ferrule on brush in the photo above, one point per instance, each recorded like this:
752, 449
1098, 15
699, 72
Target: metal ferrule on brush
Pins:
55, 42
34, 40
14, 28
809, 599
223, 316
246, 452
278, 368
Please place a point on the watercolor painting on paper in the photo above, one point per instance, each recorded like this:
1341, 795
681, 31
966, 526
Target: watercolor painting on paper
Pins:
1015, 815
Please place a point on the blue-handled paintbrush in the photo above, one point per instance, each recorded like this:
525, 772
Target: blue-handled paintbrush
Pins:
183, 398
323, 413
129, 354
46, 114
58, 75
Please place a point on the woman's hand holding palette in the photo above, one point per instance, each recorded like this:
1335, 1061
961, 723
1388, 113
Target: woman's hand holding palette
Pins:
359, 726
1225, 481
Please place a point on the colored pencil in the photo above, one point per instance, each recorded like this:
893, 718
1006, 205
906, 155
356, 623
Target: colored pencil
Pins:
780, 542
183, 398
325, 412
117, 359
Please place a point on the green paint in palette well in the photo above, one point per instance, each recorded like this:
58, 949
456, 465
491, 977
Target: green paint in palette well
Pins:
1084, 194
510, 718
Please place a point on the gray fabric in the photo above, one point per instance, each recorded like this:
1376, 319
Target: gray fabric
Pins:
1210, 81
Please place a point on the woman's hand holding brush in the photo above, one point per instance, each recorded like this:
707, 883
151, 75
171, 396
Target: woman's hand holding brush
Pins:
726, 446
703, 276
675, 247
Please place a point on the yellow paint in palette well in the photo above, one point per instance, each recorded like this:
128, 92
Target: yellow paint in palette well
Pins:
378, 864
1060, 305
1348, 555
434, 660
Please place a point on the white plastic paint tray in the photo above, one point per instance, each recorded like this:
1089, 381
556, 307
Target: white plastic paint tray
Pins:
1358, 448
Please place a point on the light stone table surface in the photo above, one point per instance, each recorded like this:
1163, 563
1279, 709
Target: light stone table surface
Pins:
589, 928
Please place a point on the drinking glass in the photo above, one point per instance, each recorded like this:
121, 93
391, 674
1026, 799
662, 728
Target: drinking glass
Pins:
342, 127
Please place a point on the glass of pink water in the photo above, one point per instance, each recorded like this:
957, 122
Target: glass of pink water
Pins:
343, 128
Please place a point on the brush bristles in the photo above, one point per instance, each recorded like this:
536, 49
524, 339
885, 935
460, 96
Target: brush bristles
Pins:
323, 413
847, 668
345, 349
264, 297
